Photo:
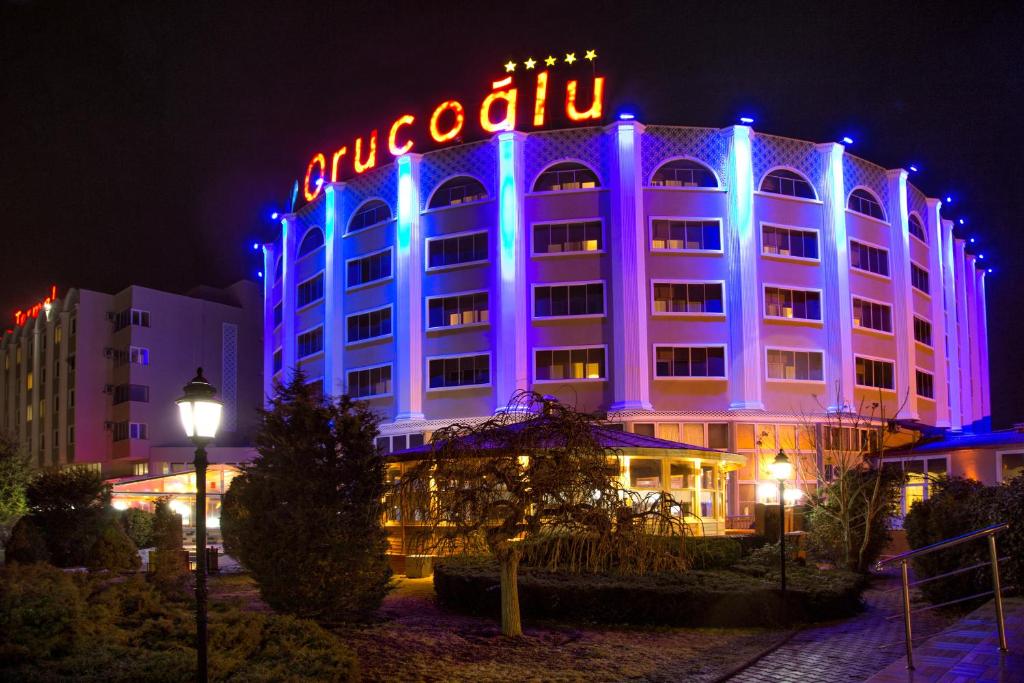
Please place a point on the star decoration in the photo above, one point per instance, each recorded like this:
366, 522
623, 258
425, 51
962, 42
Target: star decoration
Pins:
570, 57
550, 61
530, 63
591, 55
511, 66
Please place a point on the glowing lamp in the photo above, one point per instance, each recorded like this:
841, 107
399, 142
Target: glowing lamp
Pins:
847, 140
626, 117
259, 274
981, 256
989, 271
273, 216
119, 505
746, 120
781, 468
913, 168
972, 240
962, 221
255, 246
949, 199
199, 410
319, 182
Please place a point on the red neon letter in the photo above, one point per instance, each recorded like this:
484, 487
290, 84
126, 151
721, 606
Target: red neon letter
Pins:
508, 121
401, 121
542, 97
334, 163
318, 160
460, 118
595, 108
371, 157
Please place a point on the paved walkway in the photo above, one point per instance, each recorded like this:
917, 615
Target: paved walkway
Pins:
847, 651
967, 651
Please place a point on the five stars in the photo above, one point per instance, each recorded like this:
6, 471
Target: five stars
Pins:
530, 63
570, 57
510, 67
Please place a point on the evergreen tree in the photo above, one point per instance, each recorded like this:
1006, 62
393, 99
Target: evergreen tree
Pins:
14, 476
70, 507
305, 516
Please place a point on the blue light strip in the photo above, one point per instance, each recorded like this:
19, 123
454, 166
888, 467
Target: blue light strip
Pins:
509, 208
406, 205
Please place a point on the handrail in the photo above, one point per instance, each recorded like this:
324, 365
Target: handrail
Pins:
948, 543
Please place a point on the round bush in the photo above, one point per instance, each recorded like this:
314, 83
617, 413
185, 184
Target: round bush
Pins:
27, 544
113, 550
40, 612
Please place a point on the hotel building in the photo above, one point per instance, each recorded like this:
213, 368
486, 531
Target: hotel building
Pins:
92, 378
719, 287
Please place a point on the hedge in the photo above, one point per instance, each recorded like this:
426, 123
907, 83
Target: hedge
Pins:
720, 598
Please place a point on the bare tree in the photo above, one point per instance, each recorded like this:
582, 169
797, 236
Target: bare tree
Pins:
537, 470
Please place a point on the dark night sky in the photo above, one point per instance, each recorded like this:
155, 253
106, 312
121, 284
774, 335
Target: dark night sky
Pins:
147, 143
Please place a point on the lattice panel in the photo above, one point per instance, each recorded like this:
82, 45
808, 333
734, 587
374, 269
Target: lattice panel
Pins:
770, 151
478, 159
856, 172
589, 145
916, 201
706, 145
381, 182
229, 376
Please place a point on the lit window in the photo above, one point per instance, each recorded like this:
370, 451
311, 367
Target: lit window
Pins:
1012, 466
683, 173
370, 268
788, 183
459, 250
863, 202
570, 364
872, 316
569, 175
370, 382
916, 229
461, 190
779, 241
868, 258
874, 373
689, 361
688, 297
793, 304
371, 213
369, 325
457, 310
557, 301
138, 355
683, 235
806, 366
462, 371
311, 342
568, 238
313, 240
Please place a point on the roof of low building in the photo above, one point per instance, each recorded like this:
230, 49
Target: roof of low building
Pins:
953, 441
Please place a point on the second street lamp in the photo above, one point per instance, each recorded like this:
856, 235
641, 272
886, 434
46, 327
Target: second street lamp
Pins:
200, 416
782, 470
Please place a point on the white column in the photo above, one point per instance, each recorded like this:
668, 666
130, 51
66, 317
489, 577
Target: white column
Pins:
970, 277
510, 363
269, 261
963, 332
986, 399
902, 295
288, 296
835, 268
629, 288
742, 297
408, 379
933, 230
334, 294
952, 336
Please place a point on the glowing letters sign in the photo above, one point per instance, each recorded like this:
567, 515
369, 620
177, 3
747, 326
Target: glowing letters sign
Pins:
21, 317
447, 121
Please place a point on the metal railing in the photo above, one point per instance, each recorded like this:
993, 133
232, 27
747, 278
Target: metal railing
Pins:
904, 559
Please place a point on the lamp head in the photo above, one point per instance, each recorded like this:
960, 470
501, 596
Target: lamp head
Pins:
781, 468
200, 411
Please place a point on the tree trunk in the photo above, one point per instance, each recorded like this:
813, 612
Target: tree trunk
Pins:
511, 625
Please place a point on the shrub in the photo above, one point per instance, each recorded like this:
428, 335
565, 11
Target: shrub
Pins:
113, 550
40, 609
723, 598
27, 544
70, 508
138, 524
574, 553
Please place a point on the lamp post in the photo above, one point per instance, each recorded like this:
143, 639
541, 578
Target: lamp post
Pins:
200, 416
782, 470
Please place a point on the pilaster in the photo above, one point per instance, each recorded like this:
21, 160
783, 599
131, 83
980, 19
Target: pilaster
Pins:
289, 226
963, 331
986, 399
409, 371
970, 277
933, 230
269, 260
952, 335
334, 294
631, 372
903, 296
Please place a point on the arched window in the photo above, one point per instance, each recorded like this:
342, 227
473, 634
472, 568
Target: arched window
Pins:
916, 229
279, 268
461, 190
781, 181
569, 175
864, 202
684, 173
371, 213
313, 240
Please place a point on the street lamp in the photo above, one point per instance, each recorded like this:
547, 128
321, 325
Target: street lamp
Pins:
782, 470
200, 416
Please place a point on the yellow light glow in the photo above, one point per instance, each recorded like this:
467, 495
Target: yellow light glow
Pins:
570, 57
397, 151
530, 63
595, 107
508, 121
549, 60
541, 99
320, 161
460, 118
334, 163
510, 66
591, 55
371, 158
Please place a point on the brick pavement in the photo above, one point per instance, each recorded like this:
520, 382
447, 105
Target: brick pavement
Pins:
846, 651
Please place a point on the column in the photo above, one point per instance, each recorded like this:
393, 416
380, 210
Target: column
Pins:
902, 295
61, 425
334, 294
630, 368
289, 226
986, 405
511, 368
33, 396
742, 296
970, 283
835, 268
952, 336
963, 332
269, 261
933, 228
408, 380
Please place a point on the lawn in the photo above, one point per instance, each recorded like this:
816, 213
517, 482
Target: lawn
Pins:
413, 639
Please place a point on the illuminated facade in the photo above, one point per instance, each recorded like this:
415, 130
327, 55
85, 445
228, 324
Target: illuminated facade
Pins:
90, 378
719, 287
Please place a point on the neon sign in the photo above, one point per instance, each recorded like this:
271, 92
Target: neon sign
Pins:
497, 114
21, 317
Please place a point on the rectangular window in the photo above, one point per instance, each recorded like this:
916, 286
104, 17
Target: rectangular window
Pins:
689, 361
919, 278
130, 430
559, 301
922, 331
311, 342
569, 364
874, 373
140, 469
278, 313
71, 434
129, 316
925, 384
362, 326
278, 360
683, 235
457, 310
870, 259
794, 304
138, 355
871, 315
688, 297
453, 251
138, 393
1012, 466
718, 435
805, 366
368, 269
370, 382
568, 238
780, 241
311, 290
462, 371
